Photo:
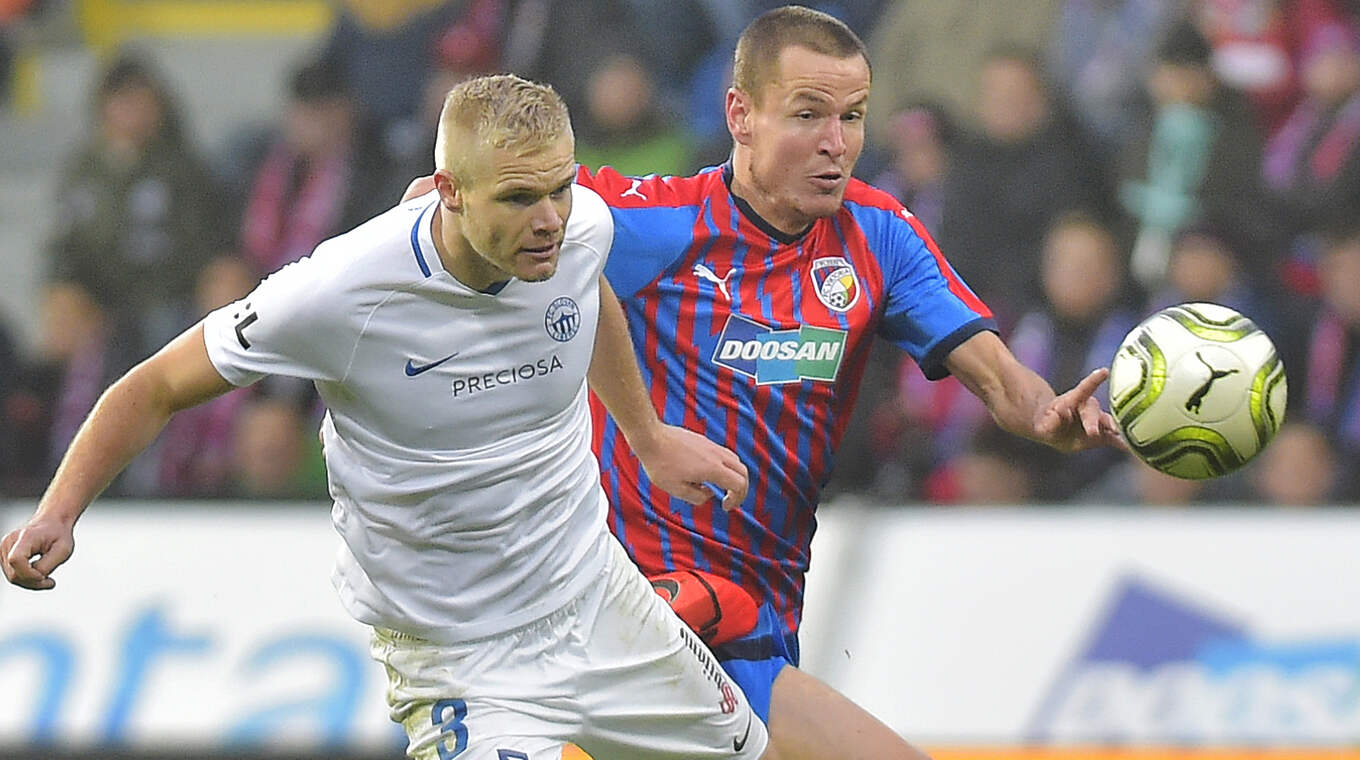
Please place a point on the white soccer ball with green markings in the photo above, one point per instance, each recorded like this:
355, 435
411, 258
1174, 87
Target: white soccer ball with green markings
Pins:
1198, 390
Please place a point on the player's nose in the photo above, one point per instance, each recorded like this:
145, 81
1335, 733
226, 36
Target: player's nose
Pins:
547, 218
833, 138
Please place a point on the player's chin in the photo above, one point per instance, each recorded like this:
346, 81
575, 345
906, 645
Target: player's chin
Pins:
535, 267
824, 203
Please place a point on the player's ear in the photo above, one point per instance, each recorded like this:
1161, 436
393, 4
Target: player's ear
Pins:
450, 191
738, 109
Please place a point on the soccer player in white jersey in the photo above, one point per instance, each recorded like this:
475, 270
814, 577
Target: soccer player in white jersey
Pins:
451, 339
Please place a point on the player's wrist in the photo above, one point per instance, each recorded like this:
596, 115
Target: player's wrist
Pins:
647, 438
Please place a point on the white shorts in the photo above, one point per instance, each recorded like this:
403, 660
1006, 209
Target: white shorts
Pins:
614, 671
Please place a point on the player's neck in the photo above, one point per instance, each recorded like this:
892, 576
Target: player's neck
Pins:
457, 256
760, 208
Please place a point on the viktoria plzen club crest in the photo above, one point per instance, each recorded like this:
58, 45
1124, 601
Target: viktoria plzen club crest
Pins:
835, 281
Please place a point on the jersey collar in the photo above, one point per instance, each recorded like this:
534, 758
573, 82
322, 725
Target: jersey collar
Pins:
422, 240
774, 232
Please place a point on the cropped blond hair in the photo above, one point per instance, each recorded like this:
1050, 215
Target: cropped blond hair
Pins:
497, 111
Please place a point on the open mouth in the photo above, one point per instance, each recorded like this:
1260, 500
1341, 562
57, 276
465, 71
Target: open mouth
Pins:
540, 252
827, 180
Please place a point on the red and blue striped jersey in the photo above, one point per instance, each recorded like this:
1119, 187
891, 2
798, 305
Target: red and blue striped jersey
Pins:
758, 340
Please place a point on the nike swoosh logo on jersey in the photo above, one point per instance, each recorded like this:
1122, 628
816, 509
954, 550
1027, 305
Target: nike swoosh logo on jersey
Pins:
412, 369
738, 744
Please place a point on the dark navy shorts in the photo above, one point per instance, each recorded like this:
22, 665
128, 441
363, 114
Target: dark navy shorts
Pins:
754, 660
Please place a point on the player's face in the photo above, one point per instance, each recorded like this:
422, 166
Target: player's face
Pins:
804, 136
512, 211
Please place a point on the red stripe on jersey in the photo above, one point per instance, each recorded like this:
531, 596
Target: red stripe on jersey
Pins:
635, 192
956, 285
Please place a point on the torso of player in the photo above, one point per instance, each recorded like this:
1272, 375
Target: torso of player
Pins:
457, 432
448, 370
759, 340
773, 331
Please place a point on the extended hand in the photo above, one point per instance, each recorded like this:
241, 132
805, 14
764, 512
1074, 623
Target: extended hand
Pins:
30, 554
680, 461
1075, 421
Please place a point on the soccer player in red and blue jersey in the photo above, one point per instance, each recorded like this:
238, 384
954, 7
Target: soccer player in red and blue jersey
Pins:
753, 292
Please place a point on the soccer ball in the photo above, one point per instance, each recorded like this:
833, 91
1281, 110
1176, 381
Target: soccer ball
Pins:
1198, 390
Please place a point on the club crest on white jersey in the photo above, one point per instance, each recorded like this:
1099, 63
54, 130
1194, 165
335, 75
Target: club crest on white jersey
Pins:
562, 319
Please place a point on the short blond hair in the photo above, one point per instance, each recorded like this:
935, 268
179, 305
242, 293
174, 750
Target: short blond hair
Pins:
496, 111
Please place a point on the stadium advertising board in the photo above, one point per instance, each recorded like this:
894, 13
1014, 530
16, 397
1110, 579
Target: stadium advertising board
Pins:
217, 626
1178, 628
205, 625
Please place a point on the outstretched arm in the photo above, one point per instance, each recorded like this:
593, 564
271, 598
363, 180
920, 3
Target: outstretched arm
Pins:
678, 460
128, 417
1022, 403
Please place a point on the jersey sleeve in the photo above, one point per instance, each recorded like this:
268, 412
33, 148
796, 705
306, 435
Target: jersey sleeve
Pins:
654, 221
929, 310
292, 324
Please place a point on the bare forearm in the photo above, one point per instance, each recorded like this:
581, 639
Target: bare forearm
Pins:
1014, 394
126, 420
1017, 402
615, 377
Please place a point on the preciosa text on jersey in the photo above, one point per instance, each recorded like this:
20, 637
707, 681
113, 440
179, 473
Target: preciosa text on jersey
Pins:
470, 384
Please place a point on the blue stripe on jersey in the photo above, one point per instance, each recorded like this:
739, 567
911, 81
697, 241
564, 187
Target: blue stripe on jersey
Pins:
415, 239
652, 237
803, 412
918, 325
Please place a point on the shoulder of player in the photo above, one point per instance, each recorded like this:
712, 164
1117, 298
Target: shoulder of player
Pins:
861, 193
590, 224
879, 212
624, 192
380, 253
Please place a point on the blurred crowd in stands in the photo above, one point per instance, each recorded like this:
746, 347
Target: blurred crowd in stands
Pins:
1081, 162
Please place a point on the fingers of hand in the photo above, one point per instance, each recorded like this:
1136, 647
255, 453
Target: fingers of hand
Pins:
57, 553
1090, 417
1088, 386
20, 550
4, 557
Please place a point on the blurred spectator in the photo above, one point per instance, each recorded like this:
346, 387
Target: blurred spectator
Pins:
1133, 482
1205, 266
271, 451
1327, 391
138, 214
385, 51
11, 13
1257, 45
1312, 164
77, 360
1199, 157
624, 126
996, 469
11, 411
312, 177
545, 37
920, 138
1101, 53
1075, 329
197, 445
473, 44
1297, 469
1007, 184
935, 50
